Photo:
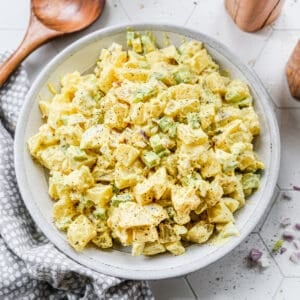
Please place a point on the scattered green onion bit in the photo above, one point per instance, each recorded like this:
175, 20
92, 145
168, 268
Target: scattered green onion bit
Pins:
115, 189
100, 213
117, 199
277, 245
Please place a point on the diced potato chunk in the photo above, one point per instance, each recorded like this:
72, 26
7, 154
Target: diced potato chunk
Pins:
144, 193
145, 234
125, 177
94, 137
103, 240
115, 117
137, 248
131, 214
184, 199
189, 135
200, 232
153, 248
81, 231
100, 194
80, 179
175, 248
126, 154
219, 213
215, 83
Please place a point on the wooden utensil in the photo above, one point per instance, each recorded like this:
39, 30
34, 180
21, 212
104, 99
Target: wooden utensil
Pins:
253, 15
293, 72
49, 19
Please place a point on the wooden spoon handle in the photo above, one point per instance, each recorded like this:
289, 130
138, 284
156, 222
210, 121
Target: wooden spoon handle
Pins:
292, 71
253, 15
36, 35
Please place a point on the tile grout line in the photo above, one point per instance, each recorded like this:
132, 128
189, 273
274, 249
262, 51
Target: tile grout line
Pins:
268, 213
273, 102
270, 253
125, 11
257, 58
13, 29
190, 286
271, 99
279, 286
191, 14
286, 29
264, 46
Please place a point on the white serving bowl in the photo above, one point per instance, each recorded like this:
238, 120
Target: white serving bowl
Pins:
32, 180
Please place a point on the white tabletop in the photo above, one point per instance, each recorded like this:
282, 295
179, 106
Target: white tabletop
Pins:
267, 52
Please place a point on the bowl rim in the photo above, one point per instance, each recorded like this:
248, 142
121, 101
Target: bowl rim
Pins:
145, 274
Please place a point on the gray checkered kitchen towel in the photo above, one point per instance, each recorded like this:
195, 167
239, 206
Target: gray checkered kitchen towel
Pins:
30, 266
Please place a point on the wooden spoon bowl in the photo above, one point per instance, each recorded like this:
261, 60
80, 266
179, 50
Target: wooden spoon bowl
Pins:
49, 19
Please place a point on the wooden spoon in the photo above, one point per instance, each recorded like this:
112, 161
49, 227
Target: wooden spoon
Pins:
292, 72
49, 19
253, 15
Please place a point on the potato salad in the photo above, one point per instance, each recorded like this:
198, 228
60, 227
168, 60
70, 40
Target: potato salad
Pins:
153, 150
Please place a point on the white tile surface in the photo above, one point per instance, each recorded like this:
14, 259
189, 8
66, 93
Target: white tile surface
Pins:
289, 289
263, 219
175, 289
270, 66
159, 10
289, 126
272, 231
10, 39
14, 14
268, 51
289, 17
213, 20
231, 278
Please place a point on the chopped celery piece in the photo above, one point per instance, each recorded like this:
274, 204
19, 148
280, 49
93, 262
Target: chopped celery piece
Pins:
115, 189
86, 202
237, 91
250, 181
137, 45
76, 153
148, 44
193, 180
184, 77
63, 223
117, 199
167, 125
156, 143
151, 159
171, 212
164, 153
165, 77
194, 120
246, 102
144, 93
230, 165
173, 130
100, 213
164, 123
130, 36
